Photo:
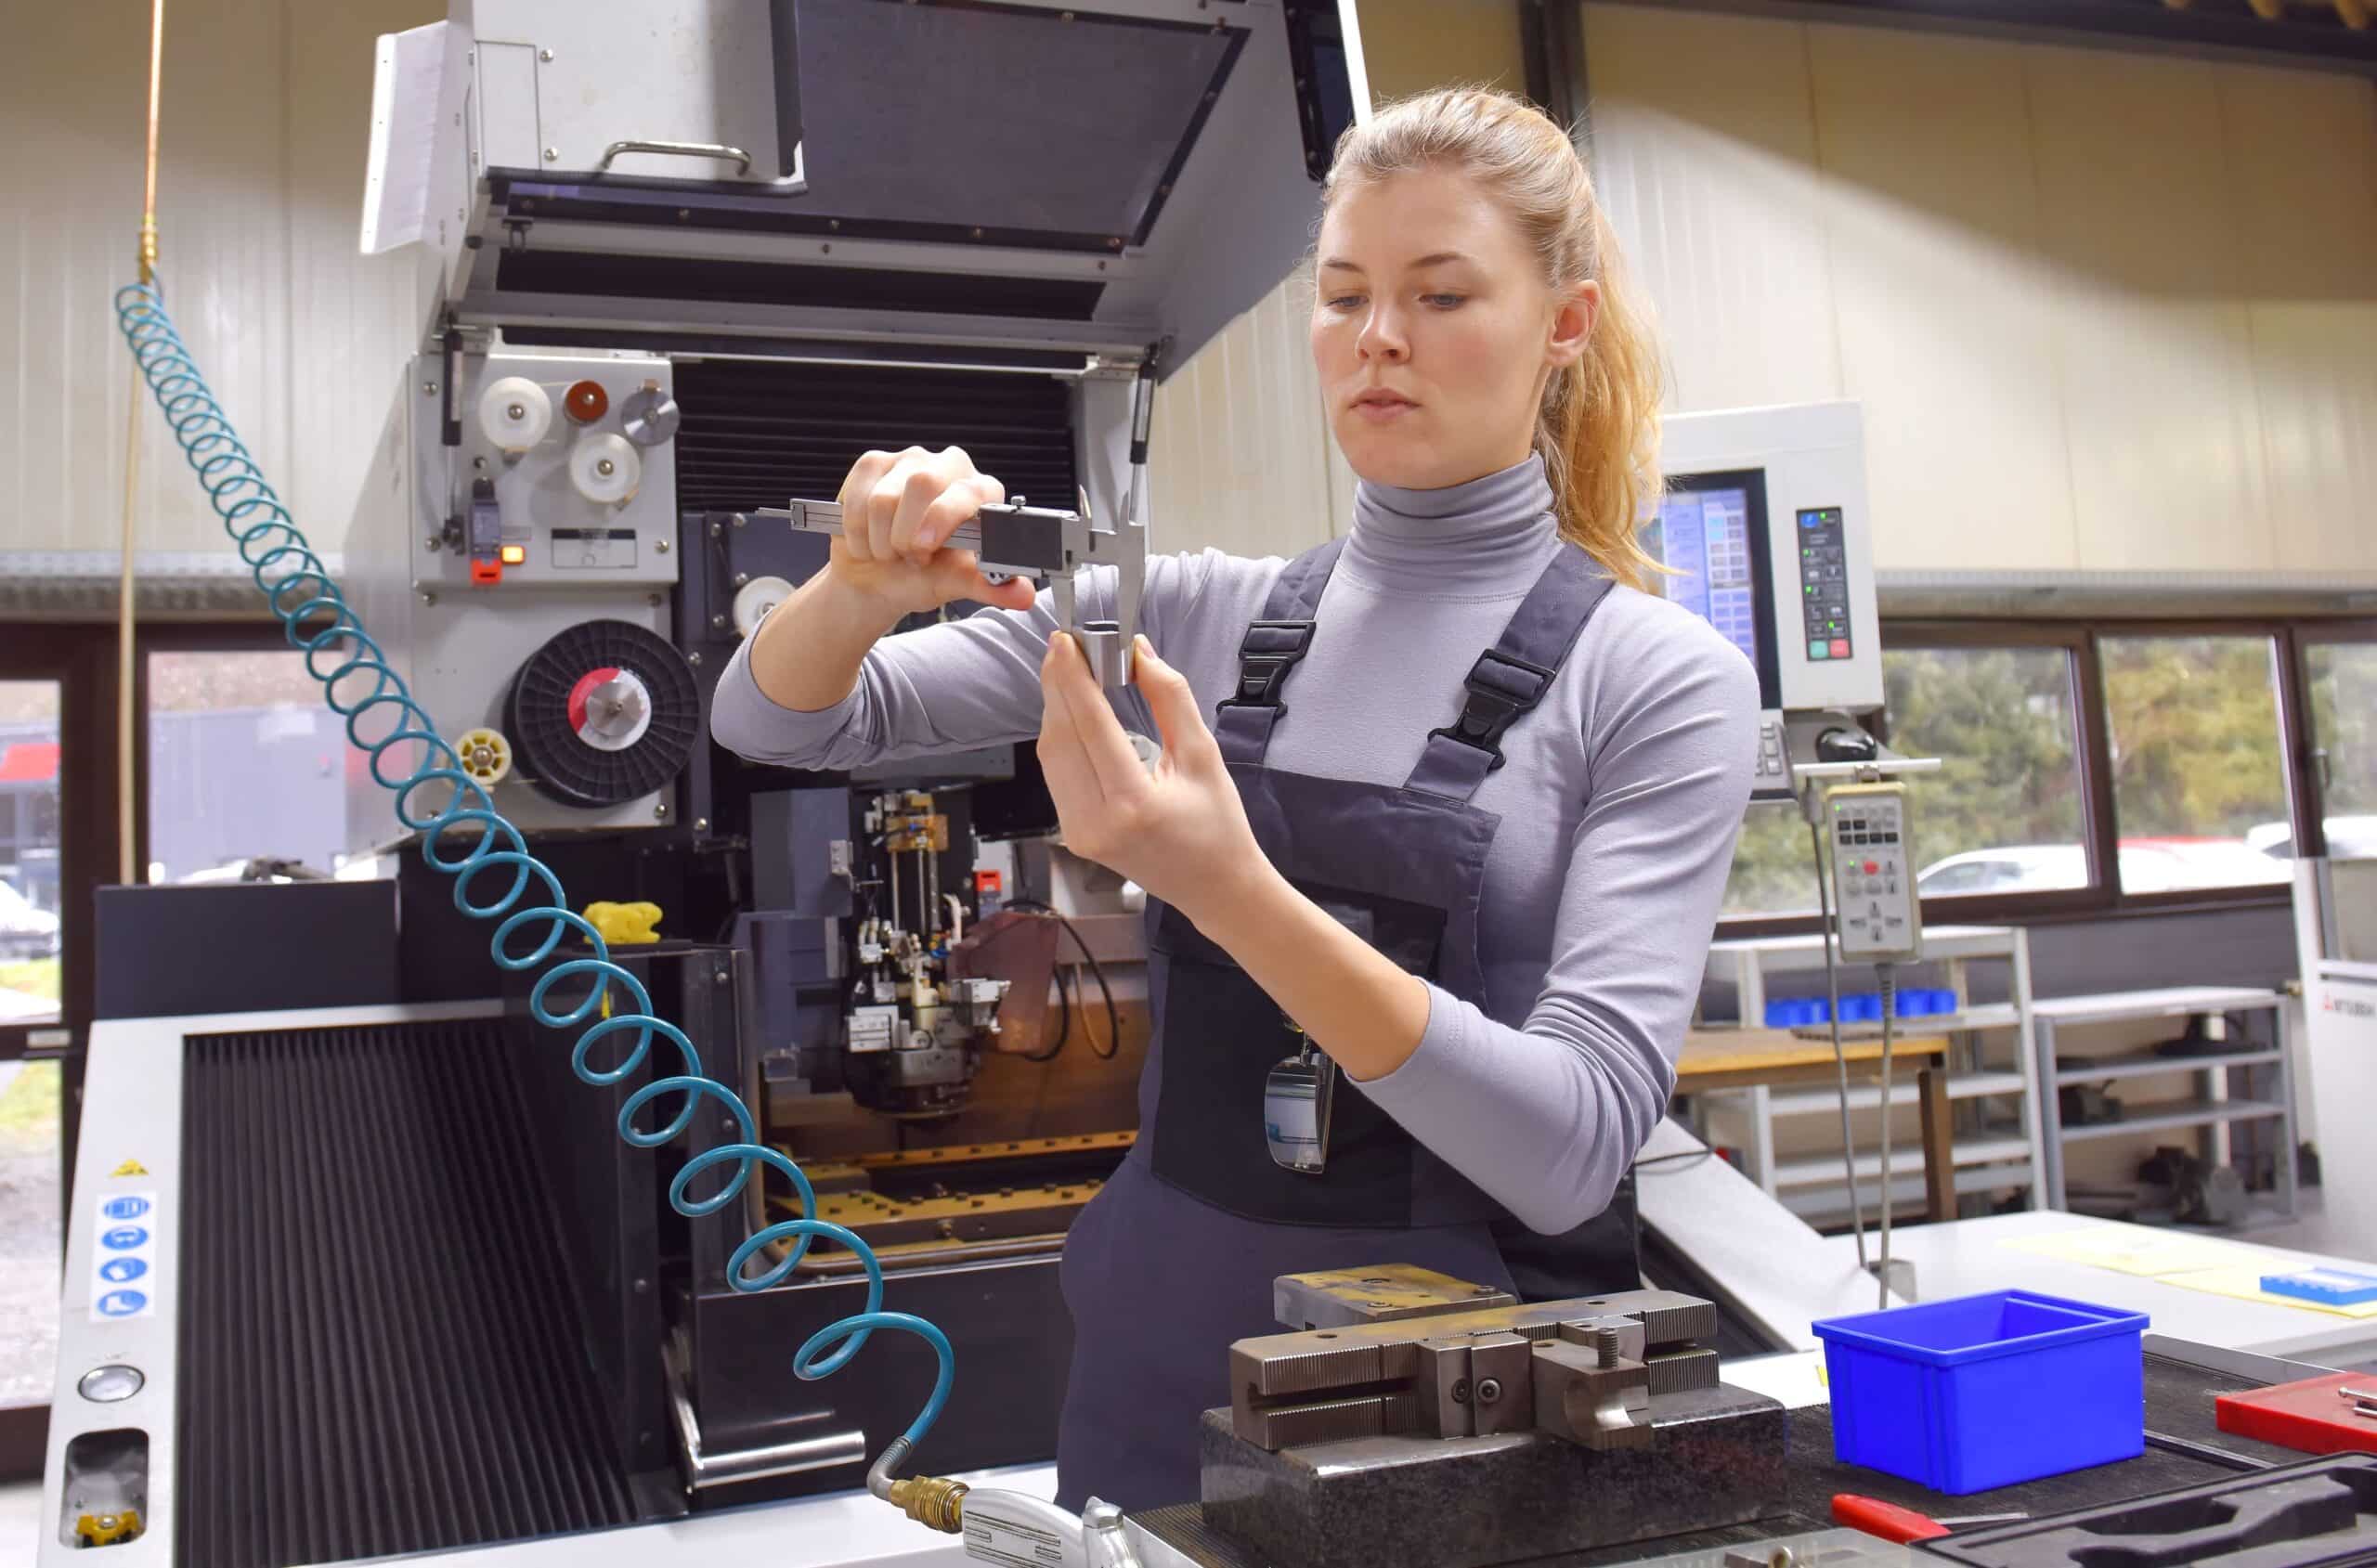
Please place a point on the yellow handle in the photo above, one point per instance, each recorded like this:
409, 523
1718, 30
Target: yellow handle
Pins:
625, 925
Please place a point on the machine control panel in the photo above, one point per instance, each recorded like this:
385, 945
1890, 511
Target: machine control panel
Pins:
562, 473
1873, 874
1824, 584
1774, 776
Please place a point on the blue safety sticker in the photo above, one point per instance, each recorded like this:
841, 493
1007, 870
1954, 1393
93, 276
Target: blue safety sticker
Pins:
126, 1252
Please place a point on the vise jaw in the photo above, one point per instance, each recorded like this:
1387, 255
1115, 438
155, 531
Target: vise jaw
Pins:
1426, 1360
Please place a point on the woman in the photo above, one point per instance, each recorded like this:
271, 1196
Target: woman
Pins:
1481, 884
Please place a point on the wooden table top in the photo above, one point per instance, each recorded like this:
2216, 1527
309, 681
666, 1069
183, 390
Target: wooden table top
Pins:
1731, 1058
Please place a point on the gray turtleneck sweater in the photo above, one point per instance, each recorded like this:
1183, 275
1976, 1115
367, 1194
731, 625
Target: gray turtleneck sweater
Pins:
1619, 803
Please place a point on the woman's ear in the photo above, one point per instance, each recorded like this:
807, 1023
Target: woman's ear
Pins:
1572, 324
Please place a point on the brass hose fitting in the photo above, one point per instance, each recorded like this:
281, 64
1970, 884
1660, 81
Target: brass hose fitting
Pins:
931, 1501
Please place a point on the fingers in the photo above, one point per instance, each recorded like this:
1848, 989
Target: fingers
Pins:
956, 506
863, 490
1120, 773
957, 573
1072, 781
906, 505
1179, 723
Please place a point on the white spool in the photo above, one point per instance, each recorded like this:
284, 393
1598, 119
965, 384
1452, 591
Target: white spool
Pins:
755, 599
606, 469
514, 413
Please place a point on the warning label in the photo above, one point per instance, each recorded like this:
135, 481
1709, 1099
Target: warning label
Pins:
1014, 1543
123, 1264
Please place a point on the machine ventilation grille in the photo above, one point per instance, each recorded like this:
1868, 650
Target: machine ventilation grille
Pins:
760, 433
379, 1353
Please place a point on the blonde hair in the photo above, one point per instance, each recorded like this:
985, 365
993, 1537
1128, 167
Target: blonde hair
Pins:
1598, 430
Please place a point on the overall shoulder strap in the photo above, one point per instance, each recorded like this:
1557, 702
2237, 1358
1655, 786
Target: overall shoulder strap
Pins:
1510, 677
1269, 650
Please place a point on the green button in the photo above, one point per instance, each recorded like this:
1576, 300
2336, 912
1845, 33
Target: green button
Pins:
1817, 650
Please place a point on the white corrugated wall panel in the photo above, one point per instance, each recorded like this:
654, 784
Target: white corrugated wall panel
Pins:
2154, 353
1932, 217
261, 173
2106, 311
1703, 147
1239, 453
2311, 256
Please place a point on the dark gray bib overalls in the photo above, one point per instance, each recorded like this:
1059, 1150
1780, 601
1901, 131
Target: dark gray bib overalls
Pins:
1404, 867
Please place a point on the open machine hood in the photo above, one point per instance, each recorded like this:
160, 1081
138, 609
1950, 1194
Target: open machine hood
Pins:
1016, 183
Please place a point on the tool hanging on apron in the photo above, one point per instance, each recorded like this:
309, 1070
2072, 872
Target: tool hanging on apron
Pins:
1249, 1120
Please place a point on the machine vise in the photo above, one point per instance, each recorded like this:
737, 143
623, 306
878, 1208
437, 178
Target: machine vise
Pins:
1422, 1419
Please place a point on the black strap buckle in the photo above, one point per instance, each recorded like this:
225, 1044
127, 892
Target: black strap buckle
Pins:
1501, 688
1266, 654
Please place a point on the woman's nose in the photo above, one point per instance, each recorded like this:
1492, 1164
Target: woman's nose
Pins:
1382, 337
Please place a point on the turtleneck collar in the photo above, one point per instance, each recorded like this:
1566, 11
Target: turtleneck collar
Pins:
1484, 539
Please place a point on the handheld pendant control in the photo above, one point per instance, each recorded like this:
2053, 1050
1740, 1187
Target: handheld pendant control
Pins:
1296, 1095
1873, 874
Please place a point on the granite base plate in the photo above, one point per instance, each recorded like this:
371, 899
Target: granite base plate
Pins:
1716, 1458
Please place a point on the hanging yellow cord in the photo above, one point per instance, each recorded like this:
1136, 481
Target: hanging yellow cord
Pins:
128, 849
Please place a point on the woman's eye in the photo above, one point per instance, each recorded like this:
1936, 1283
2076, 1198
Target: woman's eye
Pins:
1442, 301
1344, 302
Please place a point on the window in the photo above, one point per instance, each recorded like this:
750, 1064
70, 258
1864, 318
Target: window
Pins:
246, 762
2198, 771
30, 1213
30, 898
31, 1174
2005, 814
1773, 865
2342, 681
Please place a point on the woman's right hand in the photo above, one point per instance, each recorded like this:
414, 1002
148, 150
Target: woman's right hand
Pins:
898, 508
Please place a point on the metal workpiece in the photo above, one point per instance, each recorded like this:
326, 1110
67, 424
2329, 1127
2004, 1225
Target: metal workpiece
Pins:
1583, 1370
1594, 1397
1335, 1297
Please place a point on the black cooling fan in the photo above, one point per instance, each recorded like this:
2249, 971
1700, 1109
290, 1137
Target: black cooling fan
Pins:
605, 712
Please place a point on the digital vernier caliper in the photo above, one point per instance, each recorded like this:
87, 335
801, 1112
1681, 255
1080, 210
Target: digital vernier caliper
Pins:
1039, 544
1011, 539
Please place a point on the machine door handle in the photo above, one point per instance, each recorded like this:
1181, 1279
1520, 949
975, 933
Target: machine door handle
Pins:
677, 149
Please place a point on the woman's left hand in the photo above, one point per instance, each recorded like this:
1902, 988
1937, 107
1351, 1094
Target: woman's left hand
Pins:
1178, 831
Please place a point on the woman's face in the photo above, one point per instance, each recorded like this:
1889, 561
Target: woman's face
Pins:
1434, 331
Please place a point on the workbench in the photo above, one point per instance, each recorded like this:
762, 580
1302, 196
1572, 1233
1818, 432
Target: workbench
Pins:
1964, 1257
1764, 1060
850, 1530
2181, 1381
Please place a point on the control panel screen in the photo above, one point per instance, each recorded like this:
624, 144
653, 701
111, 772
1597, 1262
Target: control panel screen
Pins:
1824, 584
1703, 537
1710, 532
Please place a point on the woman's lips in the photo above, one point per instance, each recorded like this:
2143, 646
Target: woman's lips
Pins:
1382, 407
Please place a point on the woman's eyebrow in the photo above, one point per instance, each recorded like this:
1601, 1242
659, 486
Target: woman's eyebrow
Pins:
1436, 258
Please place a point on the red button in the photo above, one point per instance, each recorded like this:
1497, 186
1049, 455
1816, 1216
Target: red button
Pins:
1840, 647
1870, 868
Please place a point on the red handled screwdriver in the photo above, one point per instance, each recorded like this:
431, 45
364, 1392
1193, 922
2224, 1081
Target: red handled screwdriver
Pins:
1892, 1523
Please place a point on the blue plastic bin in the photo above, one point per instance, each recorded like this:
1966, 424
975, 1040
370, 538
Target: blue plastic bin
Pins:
1798, 1012
1986, 1391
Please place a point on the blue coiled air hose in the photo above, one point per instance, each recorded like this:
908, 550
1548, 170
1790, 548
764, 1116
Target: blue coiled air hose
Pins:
316, 620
